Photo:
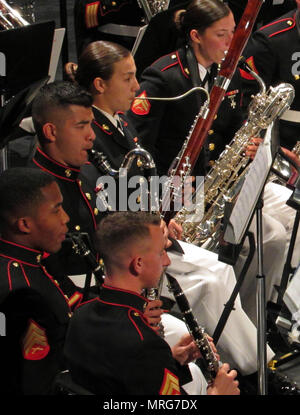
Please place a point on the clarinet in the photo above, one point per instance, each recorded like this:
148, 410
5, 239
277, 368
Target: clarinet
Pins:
81, 248
153, 294
211, 364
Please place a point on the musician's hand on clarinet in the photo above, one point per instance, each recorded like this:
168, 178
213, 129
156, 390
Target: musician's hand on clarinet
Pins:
252, 147
224, 383
175, 230
153, 313
186, 350
212, 345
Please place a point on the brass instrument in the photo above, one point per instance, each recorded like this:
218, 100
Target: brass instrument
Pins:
9, 17
224, 180
144, 161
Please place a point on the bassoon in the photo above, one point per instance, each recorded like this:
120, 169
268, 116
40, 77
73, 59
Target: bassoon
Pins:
189, 153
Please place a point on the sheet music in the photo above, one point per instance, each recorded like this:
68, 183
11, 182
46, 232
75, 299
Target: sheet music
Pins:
58, 38
250, 192
138, 39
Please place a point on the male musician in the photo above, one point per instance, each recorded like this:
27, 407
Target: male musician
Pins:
37, 308
62, 117
126, 356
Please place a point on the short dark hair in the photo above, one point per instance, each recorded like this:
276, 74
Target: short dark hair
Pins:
201, 14
57, 95
97, 60
119, 229
20, 189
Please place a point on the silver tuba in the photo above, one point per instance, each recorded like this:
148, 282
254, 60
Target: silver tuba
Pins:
224, 180
9, 17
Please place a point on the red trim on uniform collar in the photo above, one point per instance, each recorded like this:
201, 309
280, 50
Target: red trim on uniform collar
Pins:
21, 246
125, 291
57, 162
180, 64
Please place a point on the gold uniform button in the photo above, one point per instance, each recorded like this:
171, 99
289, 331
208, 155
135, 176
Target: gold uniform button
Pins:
186, 71
289, 22
210, 132
96, 211
216, 116
39, 258
77, 227
211, 146
15, 264
297, 77
68, 172
80, 182
173, 56
136, 314
88, 196
105, 127
113, 3
70, 315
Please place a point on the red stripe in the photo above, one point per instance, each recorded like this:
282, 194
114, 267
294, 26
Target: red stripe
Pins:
136, 327
25, 276
18, 260
101, 128
59, 289
9, 276
183, 71
88, 204
125, 291
22, 246
53, 174
56, 162
169, 66
278, 21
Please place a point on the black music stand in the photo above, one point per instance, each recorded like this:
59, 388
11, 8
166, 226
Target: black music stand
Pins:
27, 52
250, 201
24, 69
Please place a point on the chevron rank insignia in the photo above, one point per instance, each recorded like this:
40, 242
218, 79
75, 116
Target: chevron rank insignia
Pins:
35, 342
170, 384
246, 75
141, 106
76, 298
91, 14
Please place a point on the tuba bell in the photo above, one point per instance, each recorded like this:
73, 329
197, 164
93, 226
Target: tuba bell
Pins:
9, 17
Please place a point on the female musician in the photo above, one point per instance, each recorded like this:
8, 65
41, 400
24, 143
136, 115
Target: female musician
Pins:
108, 71
208, 28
